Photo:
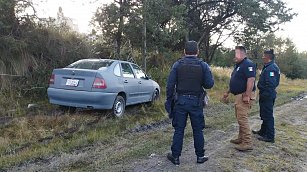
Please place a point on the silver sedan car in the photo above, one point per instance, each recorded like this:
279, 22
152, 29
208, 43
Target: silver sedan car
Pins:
101, 84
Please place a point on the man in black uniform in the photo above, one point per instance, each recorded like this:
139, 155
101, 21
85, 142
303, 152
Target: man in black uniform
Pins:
187, 79
268, 81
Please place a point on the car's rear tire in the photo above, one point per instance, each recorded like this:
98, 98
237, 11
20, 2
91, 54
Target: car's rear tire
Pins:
68, 109
119, 106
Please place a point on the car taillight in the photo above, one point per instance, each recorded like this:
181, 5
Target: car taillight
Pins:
52, 79
99, 83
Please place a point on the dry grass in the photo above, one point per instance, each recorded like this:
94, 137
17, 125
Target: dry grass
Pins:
29, 138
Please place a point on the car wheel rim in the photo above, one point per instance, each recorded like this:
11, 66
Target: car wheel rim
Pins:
118, 108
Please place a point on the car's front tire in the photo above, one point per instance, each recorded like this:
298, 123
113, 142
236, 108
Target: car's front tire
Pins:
155, 96
119, 106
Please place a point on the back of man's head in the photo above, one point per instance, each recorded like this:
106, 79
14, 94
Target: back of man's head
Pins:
191, 48
241, 48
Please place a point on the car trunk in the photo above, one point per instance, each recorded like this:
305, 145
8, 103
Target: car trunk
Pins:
74, 79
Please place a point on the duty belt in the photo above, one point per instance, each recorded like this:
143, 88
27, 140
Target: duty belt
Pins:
188, 95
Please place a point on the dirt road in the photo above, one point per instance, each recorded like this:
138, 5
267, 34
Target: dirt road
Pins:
264, 157
288, 153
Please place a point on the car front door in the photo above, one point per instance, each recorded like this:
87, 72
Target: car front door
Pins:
145, 84
131, 85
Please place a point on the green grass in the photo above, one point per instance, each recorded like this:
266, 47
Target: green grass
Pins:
29, 131
288, 146
109, 133
141, 145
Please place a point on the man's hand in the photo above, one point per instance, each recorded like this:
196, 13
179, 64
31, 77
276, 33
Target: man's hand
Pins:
246, 98
225, 97
168, 106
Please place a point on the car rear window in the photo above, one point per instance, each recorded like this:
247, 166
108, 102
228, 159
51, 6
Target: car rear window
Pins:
91, 64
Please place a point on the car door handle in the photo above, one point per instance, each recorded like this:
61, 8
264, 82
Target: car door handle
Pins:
140, 82
126, 81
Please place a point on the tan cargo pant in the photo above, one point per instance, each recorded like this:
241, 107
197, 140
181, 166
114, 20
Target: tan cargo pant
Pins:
242, 110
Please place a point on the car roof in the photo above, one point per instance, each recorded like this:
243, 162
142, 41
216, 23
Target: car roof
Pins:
97, 59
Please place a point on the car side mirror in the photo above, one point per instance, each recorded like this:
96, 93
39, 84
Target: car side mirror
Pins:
148, 77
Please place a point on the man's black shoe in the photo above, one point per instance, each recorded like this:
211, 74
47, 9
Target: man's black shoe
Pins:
257, 132
265, 139
202, 159
173, 159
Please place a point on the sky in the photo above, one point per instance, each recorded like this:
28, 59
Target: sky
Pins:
296, 30
81, 11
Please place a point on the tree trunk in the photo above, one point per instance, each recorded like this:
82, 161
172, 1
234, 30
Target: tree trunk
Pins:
206, 42
144, 51
120, 28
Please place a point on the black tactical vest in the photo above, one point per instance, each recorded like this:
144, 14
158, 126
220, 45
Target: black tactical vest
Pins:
189, 77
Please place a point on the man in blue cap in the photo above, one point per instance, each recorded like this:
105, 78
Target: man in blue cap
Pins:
187, 80
268, 81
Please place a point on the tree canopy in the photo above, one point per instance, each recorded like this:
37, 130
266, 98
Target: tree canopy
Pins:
169, 23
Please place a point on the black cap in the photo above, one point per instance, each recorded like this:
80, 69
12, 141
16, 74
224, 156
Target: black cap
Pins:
191, 47
269, 51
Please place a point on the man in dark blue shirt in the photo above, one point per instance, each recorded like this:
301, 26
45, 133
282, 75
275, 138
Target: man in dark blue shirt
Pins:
242, 85
268, 81
187, 80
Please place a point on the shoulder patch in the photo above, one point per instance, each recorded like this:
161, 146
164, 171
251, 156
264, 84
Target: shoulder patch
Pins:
250, 69
272, 74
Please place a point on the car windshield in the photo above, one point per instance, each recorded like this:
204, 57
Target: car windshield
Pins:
91, 64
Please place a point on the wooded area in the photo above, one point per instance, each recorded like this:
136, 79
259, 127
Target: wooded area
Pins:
149, 32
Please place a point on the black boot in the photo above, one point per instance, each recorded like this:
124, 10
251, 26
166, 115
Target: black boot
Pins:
265, 139
174, 160
258, 132
202, 159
